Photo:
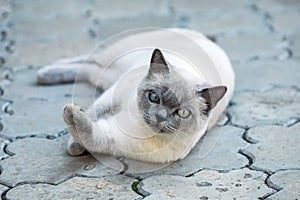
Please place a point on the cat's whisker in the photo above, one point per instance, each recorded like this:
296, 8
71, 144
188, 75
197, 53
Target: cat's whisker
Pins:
170, 128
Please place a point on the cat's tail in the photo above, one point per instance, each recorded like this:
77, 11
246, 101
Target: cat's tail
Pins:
68, 70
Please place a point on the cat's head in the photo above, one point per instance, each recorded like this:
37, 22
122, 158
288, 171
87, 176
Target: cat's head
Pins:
171, 104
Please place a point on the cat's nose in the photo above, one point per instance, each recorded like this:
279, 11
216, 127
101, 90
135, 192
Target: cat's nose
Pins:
161, 116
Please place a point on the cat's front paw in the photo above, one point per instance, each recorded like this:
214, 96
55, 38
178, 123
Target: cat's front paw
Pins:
68, 114
76, 118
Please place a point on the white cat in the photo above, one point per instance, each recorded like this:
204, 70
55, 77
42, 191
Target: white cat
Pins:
156, 105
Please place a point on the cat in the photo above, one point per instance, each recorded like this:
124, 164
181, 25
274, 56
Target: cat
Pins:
155, 107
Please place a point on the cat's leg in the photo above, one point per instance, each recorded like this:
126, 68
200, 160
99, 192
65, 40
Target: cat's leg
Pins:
64, 72
82, 130
74, 146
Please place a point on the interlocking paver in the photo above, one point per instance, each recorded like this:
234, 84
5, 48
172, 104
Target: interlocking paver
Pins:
289, 181
277, 5
45, 161
245, 47
31, 106
261, 38
106, 10
274, 73
2, 189
3, 143
111, 187
206, 6
280, 19
209, 184
277, 106
227, 22
295, 46
276, 147
42, 36
103, 29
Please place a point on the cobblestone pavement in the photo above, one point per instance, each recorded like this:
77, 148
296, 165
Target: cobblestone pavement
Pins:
257, 154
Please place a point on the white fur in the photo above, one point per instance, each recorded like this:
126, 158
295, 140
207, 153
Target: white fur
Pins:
126, 133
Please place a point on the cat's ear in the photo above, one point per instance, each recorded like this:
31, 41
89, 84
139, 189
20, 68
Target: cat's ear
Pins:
212, 96
158, 64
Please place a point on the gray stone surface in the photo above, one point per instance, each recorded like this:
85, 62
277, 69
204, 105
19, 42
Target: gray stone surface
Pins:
60, 33
42, 160
206, 6
249, 46
289, 183
3, 143
128, 23
208, 184
250, 76
295, 44
112, 187
32, 107
277, 106
3, 189
106, 10
277, 5
280, 19
212, 152
261, 38
227, 23
59, 49
276, 148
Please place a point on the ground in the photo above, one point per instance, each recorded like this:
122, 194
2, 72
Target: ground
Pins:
257, 153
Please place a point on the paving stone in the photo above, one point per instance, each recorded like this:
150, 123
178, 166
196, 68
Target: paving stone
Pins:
276, 147
277, 5
280, 19
103, 29
50, 31
37, 109
5, 105
61, 32
209, 184
111, 187
277, 106
35, 117
208, 6
3, 189
46, 53
209, 153
295, 46
47, 161
262, 75
32, 10
3, 143
106, 10
245, 47
289, 181
248, 22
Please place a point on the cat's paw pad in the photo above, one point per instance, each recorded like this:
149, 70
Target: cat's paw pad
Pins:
68, 113
74, 115
74, 148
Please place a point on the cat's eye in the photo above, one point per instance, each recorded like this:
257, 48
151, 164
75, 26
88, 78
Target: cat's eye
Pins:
153, 97
183, 113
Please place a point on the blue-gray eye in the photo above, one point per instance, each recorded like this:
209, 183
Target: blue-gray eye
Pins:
153, 97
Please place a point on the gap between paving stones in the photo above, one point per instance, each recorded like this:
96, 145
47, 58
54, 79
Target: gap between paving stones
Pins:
268, 172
